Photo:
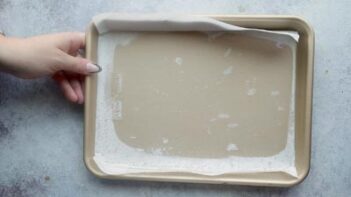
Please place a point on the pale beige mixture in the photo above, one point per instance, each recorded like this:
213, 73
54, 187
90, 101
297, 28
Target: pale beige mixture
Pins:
188, 94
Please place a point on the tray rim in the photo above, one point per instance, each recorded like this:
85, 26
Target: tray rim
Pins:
254, 21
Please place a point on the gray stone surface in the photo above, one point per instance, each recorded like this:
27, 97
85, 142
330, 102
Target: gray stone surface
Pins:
41, 135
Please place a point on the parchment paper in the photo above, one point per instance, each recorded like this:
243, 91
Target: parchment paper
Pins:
114, 157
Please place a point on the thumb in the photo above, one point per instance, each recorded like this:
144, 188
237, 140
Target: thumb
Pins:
79, 65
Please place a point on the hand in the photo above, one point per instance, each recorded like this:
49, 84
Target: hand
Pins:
55, 55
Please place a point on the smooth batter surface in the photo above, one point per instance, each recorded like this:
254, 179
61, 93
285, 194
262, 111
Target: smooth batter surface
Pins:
198, 95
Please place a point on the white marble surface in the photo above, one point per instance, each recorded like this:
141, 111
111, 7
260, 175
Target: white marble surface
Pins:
41, 135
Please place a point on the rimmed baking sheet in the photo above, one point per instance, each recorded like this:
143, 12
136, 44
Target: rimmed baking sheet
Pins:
193, 96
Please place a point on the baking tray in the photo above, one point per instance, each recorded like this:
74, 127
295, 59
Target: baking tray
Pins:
303, 109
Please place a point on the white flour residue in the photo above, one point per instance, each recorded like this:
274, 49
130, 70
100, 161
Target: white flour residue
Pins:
178, 60
232, 147
232, 125
223, 116
227, 52
117, 110
228, 70
119, 81
251, 91
165, 140
113, 156
250, 84
157, 151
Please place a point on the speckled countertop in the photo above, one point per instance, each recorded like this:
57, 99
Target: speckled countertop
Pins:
41, 135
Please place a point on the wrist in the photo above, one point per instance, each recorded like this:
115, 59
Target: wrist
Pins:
3, 43
3, 53
7, 53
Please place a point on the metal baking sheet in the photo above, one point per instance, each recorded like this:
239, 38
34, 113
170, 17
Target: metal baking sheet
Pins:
171, 123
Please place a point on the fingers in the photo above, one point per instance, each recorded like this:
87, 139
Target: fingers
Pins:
81, 38
70, 42
68, 55
78, 65
77, 42
78, 90
71, 86
66, 88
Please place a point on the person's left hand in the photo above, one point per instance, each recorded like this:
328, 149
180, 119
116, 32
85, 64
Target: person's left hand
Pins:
56, 55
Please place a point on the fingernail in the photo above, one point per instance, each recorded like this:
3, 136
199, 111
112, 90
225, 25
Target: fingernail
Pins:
93, 68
